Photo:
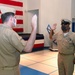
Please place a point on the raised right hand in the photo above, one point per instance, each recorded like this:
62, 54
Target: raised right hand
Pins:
53, 27
31, 40
34, 22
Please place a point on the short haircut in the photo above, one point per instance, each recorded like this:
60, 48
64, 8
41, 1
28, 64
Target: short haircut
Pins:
5, 16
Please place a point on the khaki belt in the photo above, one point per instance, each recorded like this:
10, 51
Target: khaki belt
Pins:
8, 68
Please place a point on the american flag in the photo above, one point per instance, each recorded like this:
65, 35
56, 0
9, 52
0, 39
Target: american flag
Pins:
18, 5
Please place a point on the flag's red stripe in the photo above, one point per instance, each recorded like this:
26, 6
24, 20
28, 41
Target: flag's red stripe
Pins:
0, 21
18, 21
17, 12
9, 2
18, 29
38, 45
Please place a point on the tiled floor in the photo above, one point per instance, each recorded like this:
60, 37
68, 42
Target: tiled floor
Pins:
44, 61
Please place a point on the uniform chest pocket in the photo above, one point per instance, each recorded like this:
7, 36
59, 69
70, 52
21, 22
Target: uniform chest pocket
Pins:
69, 41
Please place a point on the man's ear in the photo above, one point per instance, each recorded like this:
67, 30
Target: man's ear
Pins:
10, 18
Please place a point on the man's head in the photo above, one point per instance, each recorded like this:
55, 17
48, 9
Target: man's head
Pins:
5, 17
8, 15
65, 25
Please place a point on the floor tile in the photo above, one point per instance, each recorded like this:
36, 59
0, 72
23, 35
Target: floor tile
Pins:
43, 68
74, 73
51, 62
38, 58
54, 73
28, 54
44, 61
28, 71
47, 53
26, 62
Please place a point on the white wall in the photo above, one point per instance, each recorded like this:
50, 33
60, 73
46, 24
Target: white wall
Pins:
50, 12
33, 4
25, 15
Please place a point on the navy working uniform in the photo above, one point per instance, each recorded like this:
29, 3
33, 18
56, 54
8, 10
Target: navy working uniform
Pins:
66, 44
11, 44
